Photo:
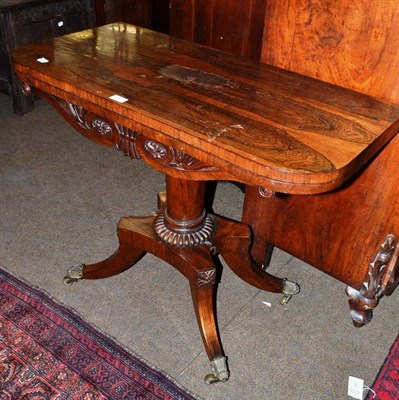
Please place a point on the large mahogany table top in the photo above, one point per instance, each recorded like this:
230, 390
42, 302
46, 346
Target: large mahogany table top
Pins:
258, 124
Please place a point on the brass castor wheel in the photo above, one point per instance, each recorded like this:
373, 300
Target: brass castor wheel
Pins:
220, 371
290, 289
212, 378
73, 275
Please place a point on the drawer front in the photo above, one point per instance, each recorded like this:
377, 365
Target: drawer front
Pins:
38, 21
47, 29
49, 11
34, 32
49, 20
69, 23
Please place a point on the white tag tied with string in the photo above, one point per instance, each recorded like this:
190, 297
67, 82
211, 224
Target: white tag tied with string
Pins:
355, 387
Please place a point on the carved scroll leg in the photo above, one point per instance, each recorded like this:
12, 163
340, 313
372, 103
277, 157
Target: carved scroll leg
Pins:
204, 305
361, 307
380, 271
124, 258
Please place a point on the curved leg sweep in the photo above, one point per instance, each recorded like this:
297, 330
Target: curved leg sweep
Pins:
204, 296
232, 241
124, 258
184, 235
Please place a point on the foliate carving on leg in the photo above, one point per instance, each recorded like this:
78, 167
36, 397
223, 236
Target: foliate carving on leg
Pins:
363, 301
206, 277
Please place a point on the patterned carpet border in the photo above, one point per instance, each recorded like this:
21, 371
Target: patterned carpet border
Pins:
386, 384
48, 351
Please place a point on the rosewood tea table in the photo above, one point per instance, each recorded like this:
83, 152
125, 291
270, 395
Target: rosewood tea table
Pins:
196, 115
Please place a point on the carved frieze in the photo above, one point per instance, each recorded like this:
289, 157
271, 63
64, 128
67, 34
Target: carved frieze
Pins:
89, 124
77, 112
170, 157
131, 143
102, 127
155, 150
136, 145
127, 141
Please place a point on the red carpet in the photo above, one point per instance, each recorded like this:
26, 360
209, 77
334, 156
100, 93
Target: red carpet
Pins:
386, 385
48, 352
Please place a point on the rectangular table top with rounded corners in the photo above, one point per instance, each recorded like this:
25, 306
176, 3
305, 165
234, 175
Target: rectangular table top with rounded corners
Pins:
259, 124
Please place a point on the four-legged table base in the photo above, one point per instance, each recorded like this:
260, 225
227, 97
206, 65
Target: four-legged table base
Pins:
192, 252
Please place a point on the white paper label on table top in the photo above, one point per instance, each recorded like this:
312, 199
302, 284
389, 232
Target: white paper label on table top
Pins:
118, 98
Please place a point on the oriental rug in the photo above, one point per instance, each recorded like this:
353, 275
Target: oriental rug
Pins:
386, 385
49, 352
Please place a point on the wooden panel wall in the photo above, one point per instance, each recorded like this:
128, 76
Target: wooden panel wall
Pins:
235, 26
352, 43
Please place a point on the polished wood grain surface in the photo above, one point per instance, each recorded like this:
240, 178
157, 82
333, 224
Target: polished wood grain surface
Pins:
352, 43
199, 114
260, 124
352, 232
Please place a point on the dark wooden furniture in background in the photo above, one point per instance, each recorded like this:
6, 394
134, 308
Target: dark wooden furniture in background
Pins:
27, 21
153, 14
351, 233
229, 25
198, 114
